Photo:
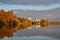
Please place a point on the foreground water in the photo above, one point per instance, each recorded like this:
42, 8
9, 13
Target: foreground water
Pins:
50, 31
30, 38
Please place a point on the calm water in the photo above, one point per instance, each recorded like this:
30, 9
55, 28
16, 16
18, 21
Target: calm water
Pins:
52, 32
29, 38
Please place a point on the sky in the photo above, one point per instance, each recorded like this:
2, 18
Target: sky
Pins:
29, 4
52, 31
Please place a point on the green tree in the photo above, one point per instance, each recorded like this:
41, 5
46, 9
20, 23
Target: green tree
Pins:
14, 24
2, 24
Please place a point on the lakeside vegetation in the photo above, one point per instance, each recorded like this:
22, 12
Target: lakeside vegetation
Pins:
10, 23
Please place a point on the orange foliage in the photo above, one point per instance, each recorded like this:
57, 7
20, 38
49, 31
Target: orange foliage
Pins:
6, 17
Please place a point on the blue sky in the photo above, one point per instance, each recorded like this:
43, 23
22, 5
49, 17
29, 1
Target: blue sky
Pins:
29, 4
41, 7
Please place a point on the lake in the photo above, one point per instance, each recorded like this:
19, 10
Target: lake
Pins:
52, 32
30, 38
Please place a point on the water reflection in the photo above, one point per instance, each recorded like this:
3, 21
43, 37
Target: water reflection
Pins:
13, 26
10, 23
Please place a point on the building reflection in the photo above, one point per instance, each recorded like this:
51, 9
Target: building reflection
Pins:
8, 30
10, 23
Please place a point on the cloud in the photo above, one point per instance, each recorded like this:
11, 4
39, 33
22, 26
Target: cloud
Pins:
1, 3
30, 2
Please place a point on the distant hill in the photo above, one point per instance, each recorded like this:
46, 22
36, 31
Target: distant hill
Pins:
44, 14
49, 10
51, 14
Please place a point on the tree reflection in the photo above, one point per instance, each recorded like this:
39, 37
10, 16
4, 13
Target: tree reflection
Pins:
10, 23
2, 24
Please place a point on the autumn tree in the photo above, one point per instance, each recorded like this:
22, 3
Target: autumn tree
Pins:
2, 24
14, 24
